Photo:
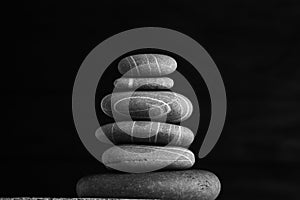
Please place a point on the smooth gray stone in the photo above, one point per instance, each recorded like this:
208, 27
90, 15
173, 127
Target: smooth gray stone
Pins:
145, 158
147, 65
145, 132
147, 105
144, 83
171, 185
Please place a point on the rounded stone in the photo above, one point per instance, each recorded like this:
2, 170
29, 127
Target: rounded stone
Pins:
171, 185
145, 132
144, 83
147, 105
147, 65
141, 158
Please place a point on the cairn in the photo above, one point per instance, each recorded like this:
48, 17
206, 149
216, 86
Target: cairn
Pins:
147, 138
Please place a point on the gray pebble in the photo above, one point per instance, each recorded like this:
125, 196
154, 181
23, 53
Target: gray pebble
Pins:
144, 83
143, 132
141, 158
171, 185
147, 65
159, 106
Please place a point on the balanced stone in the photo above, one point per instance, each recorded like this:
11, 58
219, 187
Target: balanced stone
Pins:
171, 185
147, 65
145, 132
144, 83
141, 158
147, 105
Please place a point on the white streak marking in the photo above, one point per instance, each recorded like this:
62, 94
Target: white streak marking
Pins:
136, 67
148, 63
179, 136
155, 140
112, 132
159, 70
181, 109
187, 105
132, 131
150, 131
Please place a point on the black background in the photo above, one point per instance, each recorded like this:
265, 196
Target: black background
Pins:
255, 45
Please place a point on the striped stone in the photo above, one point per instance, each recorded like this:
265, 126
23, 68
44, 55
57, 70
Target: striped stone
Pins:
143, 158
144, 83
147, 65
146, 105
145, 132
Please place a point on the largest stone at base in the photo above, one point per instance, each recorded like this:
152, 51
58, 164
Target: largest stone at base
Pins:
184, 184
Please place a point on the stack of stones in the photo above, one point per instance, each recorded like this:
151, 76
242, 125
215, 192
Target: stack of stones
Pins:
152, 141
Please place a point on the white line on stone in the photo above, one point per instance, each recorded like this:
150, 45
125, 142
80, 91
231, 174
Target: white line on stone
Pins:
150, 131
132, 130
155, 140
181, 109
158, 67
136, 67
179, 136
167, 149
112, 132
148, 64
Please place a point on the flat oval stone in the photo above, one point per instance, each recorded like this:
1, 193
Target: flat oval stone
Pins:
147, 105
144, 83
145, 132
143, 158
147, 65
171, 185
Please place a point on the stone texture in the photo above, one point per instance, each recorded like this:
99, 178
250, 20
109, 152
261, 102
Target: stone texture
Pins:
147, 65
142, 158
145, 132
147, 105
144, 83
171, 185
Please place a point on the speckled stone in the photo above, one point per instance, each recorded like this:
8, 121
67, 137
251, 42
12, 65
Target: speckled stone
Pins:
171, 185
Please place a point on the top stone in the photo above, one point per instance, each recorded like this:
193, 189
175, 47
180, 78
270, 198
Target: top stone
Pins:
147, 65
